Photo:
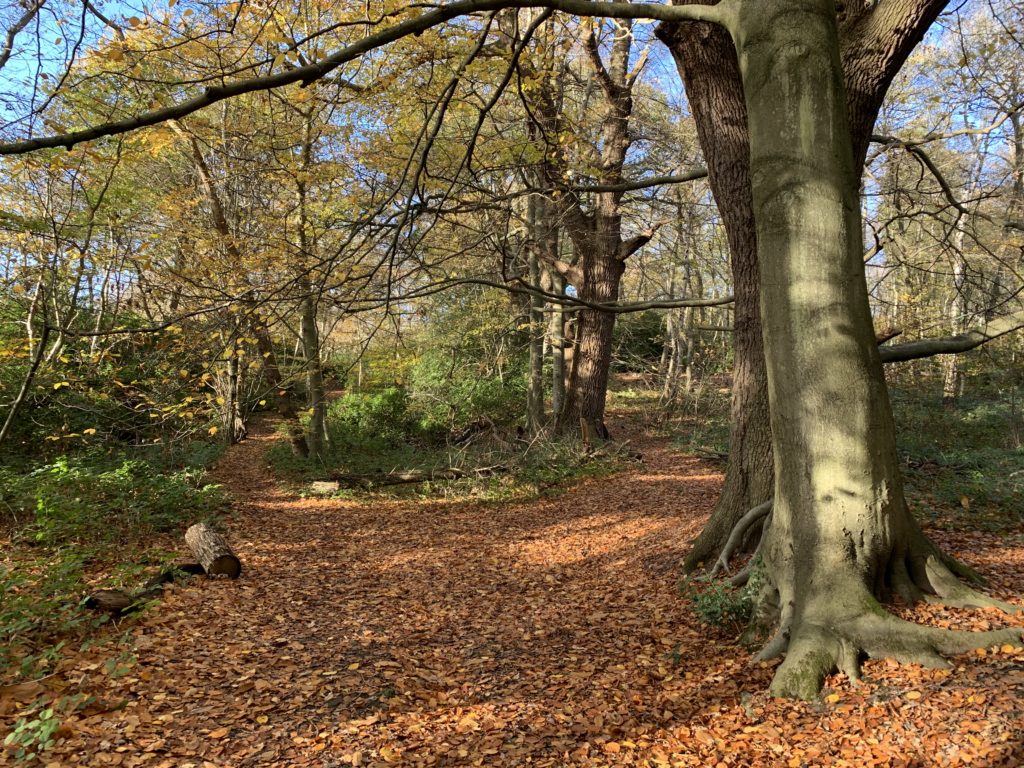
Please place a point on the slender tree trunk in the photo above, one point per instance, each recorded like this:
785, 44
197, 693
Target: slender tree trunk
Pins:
316, 397
234, 426
535, 382
218, 217
558, 341
316, 434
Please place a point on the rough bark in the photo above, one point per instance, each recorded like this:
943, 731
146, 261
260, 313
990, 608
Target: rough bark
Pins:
706, 61
597, 237
212, 551
588, 379
840, 537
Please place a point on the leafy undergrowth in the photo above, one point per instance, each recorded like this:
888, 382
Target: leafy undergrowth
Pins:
74, 526
964, 467
396, 632
378, 434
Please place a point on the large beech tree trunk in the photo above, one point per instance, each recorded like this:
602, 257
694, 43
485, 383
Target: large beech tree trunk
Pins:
875, 41
840, 536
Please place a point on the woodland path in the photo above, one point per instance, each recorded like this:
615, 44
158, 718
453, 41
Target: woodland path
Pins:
547, 633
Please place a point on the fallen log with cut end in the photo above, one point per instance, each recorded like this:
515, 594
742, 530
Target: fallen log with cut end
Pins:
212, 552
113, 601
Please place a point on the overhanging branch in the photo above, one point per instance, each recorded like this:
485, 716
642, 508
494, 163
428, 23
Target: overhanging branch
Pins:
310, 73
951, 345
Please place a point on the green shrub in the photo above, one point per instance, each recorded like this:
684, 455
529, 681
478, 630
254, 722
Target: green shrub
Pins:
450, 390
380, 418
103, 501
718, 605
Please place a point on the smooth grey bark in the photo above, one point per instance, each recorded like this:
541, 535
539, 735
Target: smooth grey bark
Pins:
840, 536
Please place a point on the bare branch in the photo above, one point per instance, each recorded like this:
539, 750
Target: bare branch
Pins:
951, 345
19, 25
311, 73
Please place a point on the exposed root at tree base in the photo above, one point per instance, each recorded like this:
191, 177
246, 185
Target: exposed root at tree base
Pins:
815, 651
821, 629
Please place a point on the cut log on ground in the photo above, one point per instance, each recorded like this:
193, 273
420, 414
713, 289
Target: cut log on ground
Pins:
118, 603
113, 601
410, 476
212, 552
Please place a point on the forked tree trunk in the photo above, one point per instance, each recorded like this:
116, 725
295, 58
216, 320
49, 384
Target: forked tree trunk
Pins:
591, 363
840, 536
597, 237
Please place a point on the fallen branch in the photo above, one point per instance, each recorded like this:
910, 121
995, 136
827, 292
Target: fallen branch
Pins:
118, 603
412, 476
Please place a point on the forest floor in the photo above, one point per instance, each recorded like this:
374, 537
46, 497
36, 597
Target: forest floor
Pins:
407, 632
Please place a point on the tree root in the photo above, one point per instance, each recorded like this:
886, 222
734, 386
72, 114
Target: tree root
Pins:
739, 531
954, 593
816, 650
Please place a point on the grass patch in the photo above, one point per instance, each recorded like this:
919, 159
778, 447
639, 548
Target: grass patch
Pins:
963, 467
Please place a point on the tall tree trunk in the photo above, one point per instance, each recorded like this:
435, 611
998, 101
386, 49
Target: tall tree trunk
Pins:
316, 397
707, 63
535, 382
597, 239
875, 41
840, 536
558, 341
234, 424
